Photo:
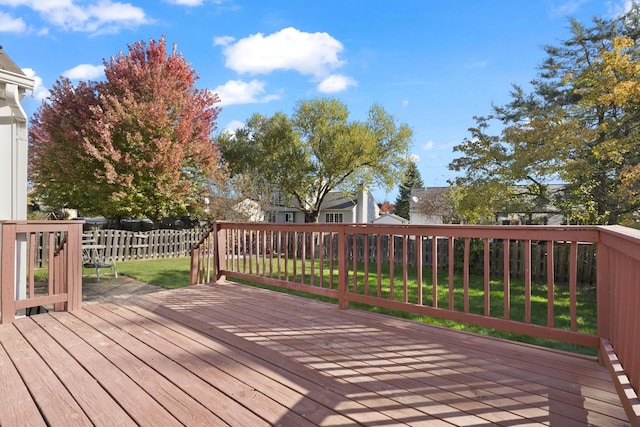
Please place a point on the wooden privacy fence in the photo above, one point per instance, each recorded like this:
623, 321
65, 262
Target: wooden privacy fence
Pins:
123, 245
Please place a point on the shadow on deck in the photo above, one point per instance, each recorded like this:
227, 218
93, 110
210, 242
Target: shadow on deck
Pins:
228, 354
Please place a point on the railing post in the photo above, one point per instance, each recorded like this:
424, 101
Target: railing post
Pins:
195, 265
343, 271
220, 255
603, 291
7, 272
74, 266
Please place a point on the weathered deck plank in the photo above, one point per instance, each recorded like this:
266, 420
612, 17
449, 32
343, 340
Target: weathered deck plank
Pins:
234, 355
93, 399
555, 374
140, 406
55, 402
20, 410
204, 380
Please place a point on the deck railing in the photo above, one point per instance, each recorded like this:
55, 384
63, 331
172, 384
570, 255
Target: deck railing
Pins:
619, 324
19, 290
459, 273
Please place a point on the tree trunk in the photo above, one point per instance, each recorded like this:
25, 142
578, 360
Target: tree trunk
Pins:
311, 217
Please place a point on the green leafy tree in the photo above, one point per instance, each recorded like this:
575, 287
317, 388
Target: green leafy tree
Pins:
317, 150
579, 126
411, 179
138, 144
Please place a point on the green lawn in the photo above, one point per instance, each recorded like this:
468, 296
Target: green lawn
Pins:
168, 273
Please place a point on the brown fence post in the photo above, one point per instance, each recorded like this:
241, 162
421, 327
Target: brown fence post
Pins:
74, 266
195, 266
343, 271
7, 269
603, 290
220, 254
58, 264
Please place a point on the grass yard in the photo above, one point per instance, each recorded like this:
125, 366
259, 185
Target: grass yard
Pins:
168, 273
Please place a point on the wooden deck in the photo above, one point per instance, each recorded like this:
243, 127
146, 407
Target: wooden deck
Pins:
229, 354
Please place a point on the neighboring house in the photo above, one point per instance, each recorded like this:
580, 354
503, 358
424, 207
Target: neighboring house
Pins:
543, 212
430, 206
250, 210
360, 208
390, 219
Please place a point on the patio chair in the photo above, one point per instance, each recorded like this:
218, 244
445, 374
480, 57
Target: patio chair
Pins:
93, 256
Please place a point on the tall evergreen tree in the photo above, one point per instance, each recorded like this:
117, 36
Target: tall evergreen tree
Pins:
411, 179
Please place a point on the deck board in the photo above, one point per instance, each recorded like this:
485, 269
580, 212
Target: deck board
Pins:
94, 400
448, 376
139, 405
20, 410
229, 354
55, 402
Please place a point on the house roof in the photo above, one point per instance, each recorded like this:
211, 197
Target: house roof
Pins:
11, 73
344, 205
393, 216
8, 65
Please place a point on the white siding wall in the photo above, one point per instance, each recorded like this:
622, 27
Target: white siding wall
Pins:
13, 165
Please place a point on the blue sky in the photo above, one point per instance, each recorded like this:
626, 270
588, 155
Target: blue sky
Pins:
432, 64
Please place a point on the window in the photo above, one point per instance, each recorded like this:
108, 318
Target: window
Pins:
289, 217
271, 217
333, 217
279, 199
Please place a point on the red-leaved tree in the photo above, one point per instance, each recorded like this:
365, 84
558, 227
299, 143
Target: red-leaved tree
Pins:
138, 144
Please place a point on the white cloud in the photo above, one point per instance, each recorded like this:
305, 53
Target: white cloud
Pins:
241, 92
313, 54
336, 83
39, 92
84, 72
8, 24
429, 145
414, 158
566, 8
232, 126
223, 40
619, 8
477, 64
99, 16
405, 103
191, 3
186, 2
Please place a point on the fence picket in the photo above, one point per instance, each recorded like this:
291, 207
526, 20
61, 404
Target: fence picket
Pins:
123, 245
